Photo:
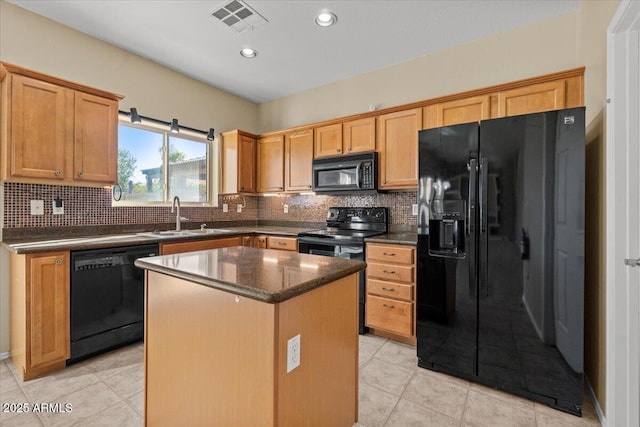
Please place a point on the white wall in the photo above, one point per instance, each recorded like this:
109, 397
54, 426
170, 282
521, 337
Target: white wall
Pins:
528, 51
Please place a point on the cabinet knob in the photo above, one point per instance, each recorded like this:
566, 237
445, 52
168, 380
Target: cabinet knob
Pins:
242, 188
58, 261
80, 174
280, 188
349, 148
384, 181
58, 172
337, 150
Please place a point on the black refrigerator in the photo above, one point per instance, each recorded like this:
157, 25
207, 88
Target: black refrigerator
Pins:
500, 287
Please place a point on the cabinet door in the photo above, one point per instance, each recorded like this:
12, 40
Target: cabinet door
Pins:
359, 135
464, 110
328, 141
261, 242
397, 144
40, 126
95, 148
298, 154
48, 309
531, 99
248, 241
246, 164
270, 164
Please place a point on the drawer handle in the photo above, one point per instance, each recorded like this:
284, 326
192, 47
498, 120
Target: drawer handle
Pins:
58, 261
386, 254
389, 289
388, 272
282, 243
391, 307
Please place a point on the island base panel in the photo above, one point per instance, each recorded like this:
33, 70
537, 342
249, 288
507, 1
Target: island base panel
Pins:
211, 359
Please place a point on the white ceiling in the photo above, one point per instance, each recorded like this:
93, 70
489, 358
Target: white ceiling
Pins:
294, 54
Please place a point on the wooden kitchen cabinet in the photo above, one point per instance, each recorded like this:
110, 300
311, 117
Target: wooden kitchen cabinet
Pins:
40, 322
271, 164
238, 159
350, 137
531, 99
397, 145
298, 155
55, 131
391, 278
458, 111
328, 140
261, 241
199, 245
282, 243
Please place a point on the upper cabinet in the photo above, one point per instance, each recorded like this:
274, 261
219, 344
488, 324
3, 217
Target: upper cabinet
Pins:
531, 99
238, 159
472, 109
56, 131
545, 93
397, 145
328, 140
355, 136
298, 155
271, 164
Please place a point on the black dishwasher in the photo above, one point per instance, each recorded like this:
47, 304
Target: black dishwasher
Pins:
107, 299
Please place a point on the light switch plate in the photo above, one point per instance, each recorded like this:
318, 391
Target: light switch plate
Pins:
37, 207
293, 353
239, 208
225, 207
414, 209
286, 208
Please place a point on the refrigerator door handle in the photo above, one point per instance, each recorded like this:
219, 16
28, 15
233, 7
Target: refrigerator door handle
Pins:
471, 225
484, 230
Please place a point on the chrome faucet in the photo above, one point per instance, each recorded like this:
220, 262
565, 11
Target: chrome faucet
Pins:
176, 200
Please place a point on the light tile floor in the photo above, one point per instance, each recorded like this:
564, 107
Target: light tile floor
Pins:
108, 391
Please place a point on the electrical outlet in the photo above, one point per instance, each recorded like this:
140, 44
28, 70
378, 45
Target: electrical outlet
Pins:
37, 207
225, 207
286, 208
239, 208
58, 210
414, 209
293, 353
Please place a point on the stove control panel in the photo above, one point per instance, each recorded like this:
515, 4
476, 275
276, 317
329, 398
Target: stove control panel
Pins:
357, 215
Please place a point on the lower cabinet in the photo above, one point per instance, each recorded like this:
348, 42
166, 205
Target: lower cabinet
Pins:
40, 324
390, 301
199, 245
282, 243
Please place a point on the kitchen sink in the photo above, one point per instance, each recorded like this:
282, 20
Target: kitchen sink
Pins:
168, 233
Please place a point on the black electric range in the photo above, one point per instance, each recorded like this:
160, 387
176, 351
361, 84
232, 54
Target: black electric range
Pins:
344, 238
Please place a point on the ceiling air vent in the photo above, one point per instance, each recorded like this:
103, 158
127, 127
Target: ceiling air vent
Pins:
239, 16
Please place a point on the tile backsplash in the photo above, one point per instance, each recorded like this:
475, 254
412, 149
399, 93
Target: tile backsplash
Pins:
91, 206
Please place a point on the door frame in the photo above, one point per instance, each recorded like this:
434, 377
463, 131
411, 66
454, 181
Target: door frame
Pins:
622, 295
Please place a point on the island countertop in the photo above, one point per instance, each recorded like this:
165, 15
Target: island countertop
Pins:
265, 275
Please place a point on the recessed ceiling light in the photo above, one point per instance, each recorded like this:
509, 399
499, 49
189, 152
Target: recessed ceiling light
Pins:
326, 19
247, 52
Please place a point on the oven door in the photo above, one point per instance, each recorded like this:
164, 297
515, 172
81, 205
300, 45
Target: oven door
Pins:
334, 248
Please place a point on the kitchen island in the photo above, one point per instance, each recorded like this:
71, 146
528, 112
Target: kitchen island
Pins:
251, 337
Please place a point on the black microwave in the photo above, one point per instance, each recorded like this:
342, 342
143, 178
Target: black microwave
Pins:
355, 173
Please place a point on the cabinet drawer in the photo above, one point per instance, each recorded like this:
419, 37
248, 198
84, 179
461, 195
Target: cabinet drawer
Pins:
395, 254
390, 289
400, 273
390, 315
284, 243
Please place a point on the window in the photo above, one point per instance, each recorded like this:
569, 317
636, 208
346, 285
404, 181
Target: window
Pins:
154, 165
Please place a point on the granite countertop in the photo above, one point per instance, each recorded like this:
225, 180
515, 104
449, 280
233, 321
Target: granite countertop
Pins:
396, 238
266, 275
27, 246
